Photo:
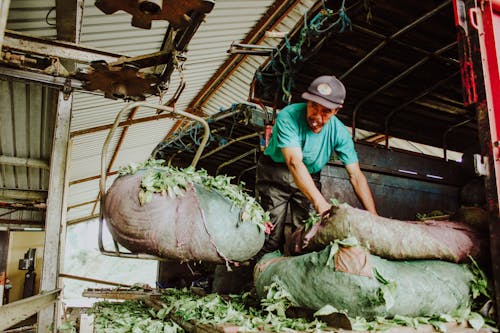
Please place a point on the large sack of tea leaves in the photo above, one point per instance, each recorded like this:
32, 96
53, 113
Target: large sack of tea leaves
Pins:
184, 215
352, 280
391, 238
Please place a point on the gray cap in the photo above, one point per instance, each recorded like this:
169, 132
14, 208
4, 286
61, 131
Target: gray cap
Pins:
326, 90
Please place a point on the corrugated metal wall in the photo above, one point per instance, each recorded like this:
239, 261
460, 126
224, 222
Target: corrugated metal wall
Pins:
27, 116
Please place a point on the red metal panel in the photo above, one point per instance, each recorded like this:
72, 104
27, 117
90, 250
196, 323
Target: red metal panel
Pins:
487, 22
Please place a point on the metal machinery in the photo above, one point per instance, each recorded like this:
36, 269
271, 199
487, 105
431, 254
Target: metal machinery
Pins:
28, 264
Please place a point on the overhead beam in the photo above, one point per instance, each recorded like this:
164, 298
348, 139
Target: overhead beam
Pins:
54, 48
27, 195
24, 205
36, 76
30, 223
121, 124
23, 162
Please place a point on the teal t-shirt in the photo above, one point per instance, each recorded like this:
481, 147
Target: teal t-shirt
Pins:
291, 130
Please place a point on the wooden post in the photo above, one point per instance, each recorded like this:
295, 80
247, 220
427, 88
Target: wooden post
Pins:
56, 209
4, 250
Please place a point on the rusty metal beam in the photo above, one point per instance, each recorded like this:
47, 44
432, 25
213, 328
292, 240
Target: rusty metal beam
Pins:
53, 48
88, 179
24, 205
87, 279
83, 204
33, 75
121, 124
82, 219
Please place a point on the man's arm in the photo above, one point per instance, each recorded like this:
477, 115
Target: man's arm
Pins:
303, 179
360, 185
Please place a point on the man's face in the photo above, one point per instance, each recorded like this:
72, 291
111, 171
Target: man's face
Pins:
317, 116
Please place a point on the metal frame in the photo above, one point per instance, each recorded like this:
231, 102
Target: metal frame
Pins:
486, 20
104, 168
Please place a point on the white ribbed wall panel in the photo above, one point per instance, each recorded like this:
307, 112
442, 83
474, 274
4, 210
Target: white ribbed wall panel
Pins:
114, 33
30, 17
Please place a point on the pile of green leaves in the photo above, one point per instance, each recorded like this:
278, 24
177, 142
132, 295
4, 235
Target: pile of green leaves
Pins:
214, 309
173, 182
130, 316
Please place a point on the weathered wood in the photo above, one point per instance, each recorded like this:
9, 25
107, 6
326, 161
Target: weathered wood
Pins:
15, 312
56, 212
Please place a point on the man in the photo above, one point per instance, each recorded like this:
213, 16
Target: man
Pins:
303, 140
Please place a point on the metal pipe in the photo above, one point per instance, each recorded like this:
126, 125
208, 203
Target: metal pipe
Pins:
24, 162
245, 171
410, 46
402, 106
391, 82
394, 35
445, 136
237, 158
241, 138
82, 278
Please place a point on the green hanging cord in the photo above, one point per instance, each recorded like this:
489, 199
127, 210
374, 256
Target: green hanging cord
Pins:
343, 19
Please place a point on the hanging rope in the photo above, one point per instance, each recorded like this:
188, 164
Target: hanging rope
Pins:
287, 57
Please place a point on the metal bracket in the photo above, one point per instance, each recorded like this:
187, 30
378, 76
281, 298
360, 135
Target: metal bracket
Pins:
145, 11
481, 165
67, 89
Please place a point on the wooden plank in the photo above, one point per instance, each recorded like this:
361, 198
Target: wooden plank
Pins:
13, 313
56, 212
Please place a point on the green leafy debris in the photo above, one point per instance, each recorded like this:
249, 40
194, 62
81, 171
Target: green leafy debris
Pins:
216, 310
131, 316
